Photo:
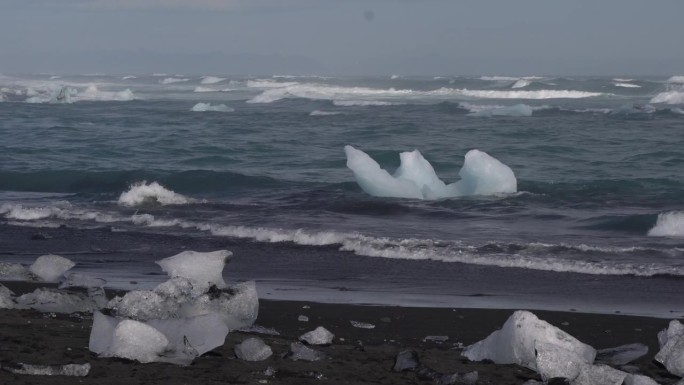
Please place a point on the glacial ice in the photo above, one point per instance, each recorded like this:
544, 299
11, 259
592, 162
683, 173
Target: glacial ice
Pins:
671, 353
515, 342
201, 333
50, 267
299, 351
599, 374
415, 178
638, 379
81, 280
238, 305
202, 107
253, 349
318, 336
73, 370
142, 192
137, 341
202, 269
362, 325
14, 272
58, 301
622, 355
6, 298
143, 305
554, 361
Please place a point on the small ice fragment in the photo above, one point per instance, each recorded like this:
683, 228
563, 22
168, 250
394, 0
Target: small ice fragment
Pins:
258, 329
270, 371
137, 341
300, 352
306, 307
253, 349
514, 343
318, 336
436, 338
202, 269
50, 267
102, 332
638, 379
15, 272
406, 360
621, 355
81, 280
6, 295
362, 325
74, 370
303, 318
57, 301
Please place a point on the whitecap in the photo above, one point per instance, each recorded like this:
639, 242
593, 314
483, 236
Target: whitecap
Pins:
173, 80
669, 97
362, 103
669, 224
626, 85
211, 80
323, 113
142, 192
521, 83
129, 77
676, 79
201, 107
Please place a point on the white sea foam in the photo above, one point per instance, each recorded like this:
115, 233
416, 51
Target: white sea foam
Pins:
626, 85
267, 83
499, 78
92, 93
173, 80
142, 192
538, 94
669, 97
516, 110
521, 83
324, 113
201, 89
670, 224
623, 80
362, 103
129, 77
202, 107
211, 80
676, 79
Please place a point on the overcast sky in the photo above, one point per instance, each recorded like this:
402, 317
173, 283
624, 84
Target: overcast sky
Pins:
516, 37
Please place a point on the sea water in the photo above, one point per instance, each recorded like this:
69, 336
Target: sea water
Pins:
117, 171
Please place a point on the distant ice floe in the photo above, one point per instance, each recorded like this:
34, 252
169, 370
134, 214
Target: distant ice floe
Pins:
143, 192
415, 178
670, 224
211, 80
202, 107
173, 80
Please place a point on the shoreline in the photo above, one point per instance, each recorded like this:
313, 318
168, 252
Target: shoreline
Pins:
356, 355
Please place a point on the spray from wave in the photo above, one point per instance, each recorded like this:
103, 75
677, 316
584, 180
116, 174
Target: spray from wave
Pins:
145, 193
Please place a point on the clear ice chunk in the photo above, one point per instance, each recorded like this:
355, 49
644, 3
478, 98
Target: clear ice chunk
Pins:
203, 269
638, 379
143, 305
621, 355
15, 272
238, 305
362, 325
300, 352
554, 361
82, 280
318, 336
50, 267
253, 349
406, 360
671, 353
515, 342
202, 333
599, 374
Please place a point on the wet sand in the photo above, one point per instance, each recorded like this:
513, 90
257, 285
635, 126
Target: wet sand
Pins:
357, 356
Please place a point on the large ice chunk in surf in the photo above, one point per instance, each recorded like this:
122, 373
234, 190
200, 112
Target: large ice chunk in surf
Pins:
202, 269
50, 267
515, 342
237, 305
6, 298
415, 178
671, 353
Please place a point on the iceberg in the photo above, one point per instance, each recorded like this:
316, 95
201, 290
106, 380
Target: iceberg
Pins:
415, 178
50, 268
516, 342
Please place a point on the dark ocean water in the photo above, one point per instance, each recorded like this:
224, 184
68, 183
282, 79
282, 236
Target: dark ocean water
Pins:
596, 223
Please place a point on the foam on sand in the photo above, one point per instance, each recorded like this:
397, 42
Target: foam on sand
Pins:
670, 224
142, 192
415, 178
203, 107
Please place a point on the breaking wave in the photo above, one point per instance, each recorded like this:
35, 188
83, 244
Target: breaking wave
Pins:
67, 95
670, 224
144, 193
669, 97
626, 85
676, 79
202, 107
324, 113
489, 111
173, 80
211, 80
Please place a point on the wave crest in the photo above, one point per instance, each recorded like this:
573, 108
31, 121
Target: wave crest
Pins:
670, 224
142, 192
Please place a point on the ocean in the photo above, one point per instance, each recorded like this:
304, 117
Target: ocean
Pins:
115, 172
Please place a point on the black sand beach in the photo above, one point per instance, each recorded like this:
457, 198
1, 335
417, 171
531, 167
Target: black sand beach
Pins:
356, 355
